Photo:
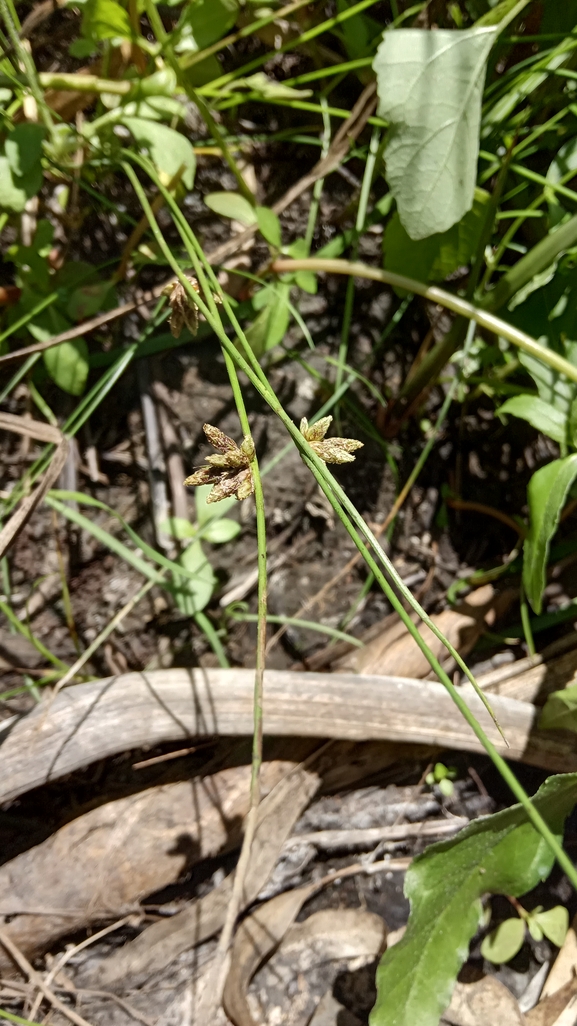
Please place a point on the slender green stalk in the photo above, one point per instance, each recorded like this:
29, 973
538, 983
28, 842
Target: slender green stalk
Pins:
25, 631
20, 373
436, 295
305, 37
28, 63
526, 621
306, 625
163, 38
345, 510
359, 226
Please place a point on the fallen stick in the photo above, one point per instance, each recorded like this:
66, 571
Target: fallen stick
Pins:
101, 718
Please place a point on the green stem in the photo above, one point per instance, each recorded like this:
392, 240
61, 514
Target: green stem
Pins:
163, 38
343, 507
359, 226
436, 295
28, 63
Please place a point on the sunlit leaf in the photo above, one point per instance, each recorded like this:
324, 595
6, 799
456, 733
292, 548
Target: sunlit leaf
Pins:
169, 150
220, 531
505, 941
430, 86
504, 854
233, 205
560, 710
193, 595
541, 415
554, 923
434, 258
269, 226
67, 365
547, 494
23, 148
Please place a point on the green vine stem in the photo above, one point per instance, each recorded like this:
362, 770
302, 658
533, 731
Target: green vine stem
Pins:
343, 507
436, 295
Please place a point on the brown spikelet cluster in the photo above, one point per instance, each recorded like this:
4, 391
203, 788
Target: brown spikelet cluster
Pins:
331, 450
183, 312
228, 469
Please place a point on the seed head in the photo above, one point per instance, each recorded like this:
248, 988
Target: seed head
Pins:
331, 450
183, 311
228, 469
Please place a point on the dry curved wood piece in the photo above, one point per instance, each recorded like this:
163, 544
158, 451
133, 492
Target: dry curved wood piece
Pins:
90, 721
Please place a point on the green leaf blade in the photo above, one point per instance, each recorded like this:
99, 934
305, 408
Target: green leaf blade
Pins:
503, 943
502, 853
547, 493
233, 205
538, 414
430, 86
168, 149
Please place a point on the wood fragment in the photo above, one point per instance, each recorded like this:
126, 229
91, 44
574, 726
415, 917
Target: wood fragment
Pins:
97, 719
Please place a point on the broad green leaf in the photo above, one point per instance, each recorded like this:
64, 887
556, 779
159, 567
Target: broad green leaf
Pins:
307, 281
16, 190
358, 32
89, 299
546, 308
203, 23
233, 205
553, 387
434, 258
178, 527
554, 923
193, 595
504, 941
541, 415
534, 927
502, 854
270, 326
105, 19
547, 493
67, 365
430, 86
269, 226
168, 149
220, 531
572, 423
560, 710
23, 148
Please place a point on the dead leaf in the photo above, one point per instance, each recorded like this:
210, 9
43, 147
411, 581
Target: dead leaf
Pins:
487, 1002
329, 935
162, 942
395, 652
44, 433
564, 967
552, 1010
116, 854
256, 937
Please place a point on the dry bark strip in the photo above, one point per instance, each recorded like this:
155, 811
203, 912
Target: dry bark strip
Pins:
98, 719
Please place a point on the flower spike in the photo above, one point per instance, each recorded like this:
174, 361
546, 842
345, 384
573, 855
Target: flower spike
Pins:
330, 450
228, 470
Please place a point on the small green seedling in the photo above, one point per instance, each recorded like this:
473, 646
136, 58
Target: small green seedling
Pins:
503, 943
443, 777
